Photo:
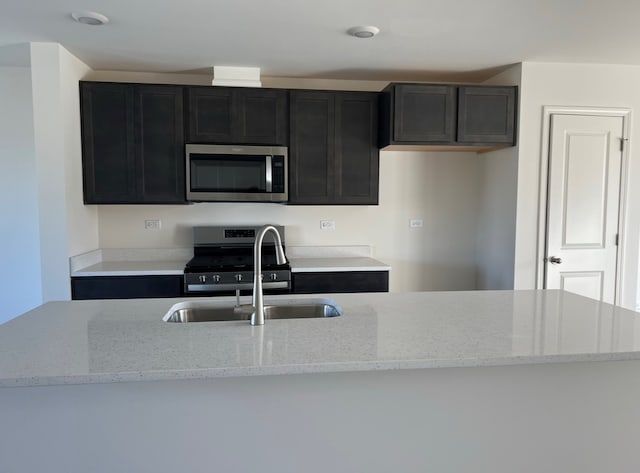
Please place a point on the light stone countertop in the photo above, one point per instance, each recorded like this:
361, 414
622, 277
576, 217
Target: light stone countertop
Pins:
130, 262
126, 340
320, 265
303, 265
147, 262
132, 268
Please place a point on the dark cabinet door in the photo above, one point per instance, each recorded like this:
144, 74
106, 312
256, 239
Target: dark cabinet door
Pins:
126, 287
348, 281
107, 143
261, 116
356, 151
159, 144
312, 147
447, 115
333, 157
132, 143
424, 113
486, 114
210, 114
237, 115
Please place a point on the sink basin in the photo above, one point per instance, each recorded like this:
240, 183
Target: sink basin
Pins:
290, 309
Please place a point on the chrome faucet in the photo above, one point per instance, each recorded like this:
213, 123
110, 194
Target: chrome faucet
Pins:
257, 316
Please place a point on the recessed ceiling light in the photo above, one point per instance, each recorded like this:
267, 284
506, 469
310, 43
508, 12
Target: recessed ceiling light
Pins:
363, 31
90, 18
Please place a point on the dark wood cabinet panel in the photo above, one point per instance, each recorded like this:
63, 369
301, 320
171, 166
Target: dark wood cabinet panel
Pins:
159, 144
333, 157
486, 114
210, 111
347, 281
262, 116
132, 143
107, 143
312, 149
446, 116
126, 287
424, 113
237, 115
357, 154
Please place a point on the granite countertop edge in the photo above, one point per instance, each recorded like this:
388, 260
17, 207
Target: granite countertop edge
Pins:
168, 268
311, 368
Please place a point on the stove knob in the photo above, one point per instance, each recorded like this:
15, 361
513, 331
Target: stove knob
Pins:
273, 276
238, 277
216, 278
202, 278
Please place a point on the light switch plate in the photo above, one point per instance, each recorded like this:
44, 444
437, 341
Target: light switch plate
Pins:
416, 223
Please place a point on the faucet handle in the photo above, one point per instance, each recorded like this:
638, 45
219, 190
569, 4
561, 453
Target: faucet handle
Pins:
244, 309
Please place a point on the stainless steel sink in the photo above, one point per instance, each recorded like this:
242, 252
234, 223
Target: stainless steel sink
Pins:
208, 312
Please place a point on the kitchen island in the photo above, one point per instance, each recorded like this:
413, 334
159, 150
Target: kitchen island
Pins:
460, 381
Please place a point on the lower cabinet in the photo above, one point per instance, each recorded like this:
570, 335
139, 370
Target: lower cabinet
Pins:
126, 287
141, 287
340, 281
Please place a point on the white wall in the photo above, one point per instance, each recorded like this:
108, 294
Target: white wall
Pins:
44, 221
495, 252
82, 220
50, 169
20, 284
66, 226
573, 85
441, 188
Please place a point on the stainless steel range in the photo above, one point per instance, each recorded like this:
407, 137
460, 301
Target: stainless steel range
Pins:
223, 262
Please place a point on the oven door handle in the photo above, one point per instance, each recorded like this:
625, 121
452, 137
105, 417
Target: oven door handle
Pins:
233, 287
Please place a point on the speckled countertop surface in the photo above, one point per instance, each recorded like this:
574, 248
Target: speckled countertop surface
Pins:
147, 268
319, 265
132, 268
126, 340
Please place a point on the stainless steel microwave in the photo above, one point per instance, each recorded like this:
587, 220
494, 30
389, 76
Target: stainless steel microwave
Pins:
230, 173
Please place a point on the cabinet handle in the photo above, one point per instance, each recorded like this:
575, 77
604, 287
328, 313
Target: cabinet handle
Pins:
554, 260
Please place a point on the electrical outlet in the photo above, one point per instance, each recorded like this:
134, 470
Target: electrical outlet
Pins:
327, 224
416, 223
152, 224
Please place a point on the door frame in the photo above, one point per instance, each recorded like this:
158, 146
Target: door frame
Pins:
547, 112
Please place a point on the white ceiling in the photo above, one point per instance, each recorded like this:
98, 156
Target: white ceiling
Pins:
299, 38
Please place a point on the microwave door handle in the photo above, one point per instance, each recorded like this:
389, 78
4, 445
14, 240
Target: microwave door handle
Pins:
268, 175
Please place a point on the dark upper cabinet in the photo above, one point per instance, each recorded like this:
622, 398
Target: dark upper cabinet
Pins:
486, 114
356, 151
447, 115
237, 115
210, 112
333, 156
132, 143
424, 113
312, 147
159, 144
108, 162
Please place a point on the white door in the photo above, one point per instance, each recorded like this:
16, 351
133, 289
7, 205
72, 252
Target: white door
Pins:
585, 162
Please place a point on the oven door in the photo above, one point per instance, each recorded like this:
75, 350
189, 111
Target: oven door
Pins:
226, 283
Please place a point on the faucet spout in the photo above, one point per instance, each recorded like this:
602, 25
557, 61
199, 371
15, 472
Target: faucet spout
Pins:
257, 317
